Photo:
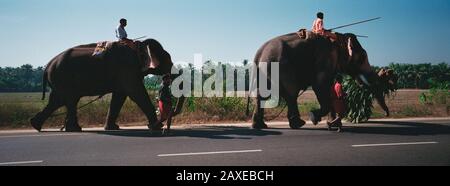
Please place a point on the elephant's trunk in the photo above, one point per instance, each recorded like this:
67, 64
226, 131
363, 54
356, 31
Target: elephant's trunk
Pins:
372, 82
382, 102
180, 100
179, 106
364, 80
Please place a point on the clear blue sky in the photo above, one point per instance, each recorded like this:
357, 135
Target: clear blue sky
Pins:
34, 31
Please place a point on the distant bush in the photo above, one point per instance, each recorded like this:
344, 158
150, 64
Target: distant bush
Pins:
439, 93
21, 79
29, 79
419, 75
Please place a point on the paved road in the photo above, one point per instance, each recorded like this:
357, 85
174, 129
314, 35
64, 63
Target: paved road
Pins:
384, 142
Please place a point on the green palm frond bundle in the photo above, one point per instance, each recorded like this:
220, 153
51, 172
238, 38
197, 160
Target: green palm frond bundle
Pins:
359, 99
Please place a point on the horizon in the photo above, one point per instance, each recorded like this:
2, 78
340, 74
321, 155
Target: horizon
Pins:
223, 31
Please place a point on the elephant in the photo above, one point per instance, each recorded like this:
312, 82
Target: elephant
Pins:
76, 73
312, 61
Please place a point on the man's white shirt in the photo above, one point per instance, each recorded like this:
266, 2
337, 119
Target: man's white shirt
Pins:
121, 33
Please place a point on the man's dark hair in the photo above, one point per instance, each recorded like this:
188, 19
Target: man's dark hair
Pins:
122, 21
320, 15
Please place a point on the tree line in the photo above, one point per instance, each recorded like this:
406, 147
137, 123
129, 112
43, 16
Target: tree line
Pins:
421, 76
417, 76
21, 79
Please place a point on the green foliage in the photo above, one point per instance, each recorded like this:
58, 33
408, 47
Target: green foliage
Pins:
217, 106
152, 82
29, 79
412, 111
439, 93
190, 102
359, 101
21, 79
418, 75
306, 107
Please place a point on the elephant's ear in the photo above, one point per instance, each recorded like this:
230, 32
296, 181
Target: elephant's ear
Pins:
154, 62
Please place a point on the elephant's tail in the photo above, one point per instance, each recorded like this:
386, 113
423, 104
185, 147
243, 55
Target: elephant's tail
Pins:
248, 106
44, 84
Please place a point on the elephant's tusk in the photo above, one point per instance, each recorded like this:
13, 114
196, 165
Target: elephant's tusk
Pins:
364, 79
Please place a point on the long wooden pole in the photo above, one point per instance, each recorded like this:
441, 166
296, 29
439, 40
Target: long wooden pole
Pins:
359, 22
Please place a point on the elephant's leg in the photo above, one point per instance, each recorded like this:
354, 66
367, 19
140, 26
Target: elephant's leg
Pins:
141, 98
53, 104
117, 102
323, 94
258, 115
71, 118
291, 96
295, 122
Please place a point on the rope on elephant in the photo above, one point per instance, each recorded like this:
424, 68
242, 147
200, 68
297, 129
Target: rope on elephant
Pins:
85, 105
278, 115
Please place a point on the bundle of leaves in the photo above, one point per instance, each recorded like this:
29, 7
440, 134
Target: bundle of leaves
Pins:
359, 99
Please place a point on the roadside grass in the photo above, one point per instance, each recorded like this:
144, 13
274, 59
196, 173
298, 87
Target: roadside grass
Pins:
377, 114
17, 108
306, 107
414, 111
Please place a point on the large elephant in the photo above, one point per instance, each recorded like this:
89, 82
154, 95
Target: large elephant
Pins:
312, 61
76, 73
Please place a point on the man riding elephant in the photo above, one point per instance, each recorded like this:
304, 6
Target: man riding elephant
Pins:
76, 73
311, 61
319, 29
122, 35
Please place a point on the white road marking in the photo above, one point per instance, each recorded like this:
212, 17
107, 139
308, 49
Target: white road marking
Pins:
209, 153
21, 162
395, 144
40, 135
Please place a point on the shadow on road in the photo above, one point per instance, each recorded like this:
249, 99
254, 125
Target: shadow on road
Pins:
397, 128
409, 128
215, 132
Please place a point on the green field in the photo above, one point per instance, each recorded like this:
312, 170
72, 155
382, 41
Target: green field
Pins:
17, 108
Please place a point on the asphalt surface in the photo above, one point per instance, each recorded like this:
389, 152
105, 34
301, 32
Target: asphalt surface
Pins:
382, 142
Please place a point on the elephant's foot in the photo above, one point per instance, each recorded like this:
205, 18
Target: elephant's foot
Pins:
329, 125
158, 126
296, 123
112, 127
339, 126
259, 124
336, 123
314, 118
73, 128
36, 124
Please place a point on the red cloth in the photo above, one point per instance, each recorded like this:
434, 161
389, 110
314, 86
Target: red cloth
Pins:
337, 99
165, 109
